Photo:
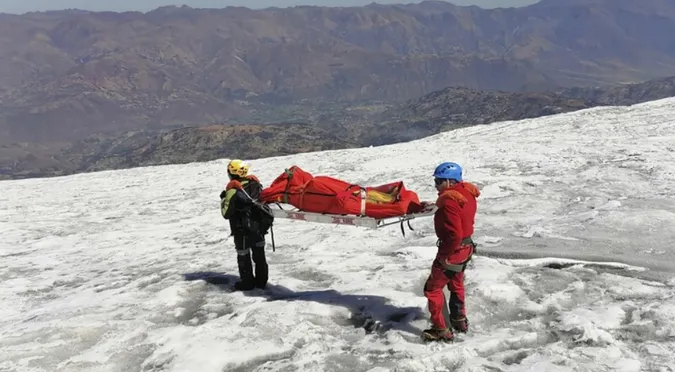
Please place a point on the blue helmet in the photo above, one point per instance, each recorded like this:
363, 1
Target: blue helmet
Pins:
448, 171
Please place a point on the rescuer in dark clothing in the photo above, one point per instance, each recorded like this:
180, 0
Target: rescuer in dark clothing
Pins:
248, 224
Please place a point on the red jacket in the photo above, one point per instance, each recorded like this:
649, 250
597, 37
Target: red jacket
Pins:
454, 219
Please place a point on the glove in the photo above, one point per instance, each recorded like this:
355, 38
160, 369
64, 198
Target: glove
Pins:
234, 184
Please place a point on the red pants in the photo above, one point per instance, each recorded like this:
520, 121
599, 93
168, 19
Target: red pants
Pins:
439, 278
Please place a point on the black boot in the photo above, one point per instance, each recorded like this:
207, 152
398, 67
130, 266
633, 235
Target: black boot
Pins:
247, 281
460, 324
243, 286
438, 334
261, 268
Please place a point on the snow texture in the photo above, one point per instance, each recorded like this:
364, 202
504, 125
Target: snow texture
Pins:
128, 270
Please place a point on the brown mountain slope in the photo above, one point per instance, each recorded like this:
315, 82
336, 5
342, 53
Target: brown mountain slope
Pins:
454, 107
66, 75
627, 94
343, 127
182, 145
457, 107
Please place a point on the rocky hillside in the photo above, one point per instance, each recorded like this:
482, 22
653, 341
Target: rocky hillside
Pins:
627, 94
68, 75
342, 127
183, 145
453, 107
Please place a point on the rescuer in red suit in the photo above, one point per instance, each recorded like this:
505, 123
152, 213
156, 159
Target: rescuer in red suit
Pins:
453, 224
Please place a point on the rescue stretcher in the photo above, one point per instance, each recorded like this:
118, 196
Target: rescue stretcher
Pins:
324, 199
351, 220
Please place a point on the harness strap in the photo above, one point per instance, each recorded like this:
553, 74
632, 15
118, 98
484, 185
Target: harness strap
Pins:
289, 174
458, 268
364, 197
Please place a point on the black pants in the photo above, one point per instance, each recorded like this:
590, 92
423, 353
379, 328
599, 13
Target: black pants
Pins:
251, 247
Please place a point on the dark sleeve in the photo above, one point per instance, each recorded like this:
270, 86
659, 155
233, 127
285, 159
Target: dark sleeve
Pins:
233, 200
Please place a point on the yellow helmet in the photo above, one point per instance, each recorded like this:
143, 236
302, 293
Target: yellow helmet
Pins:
237, 167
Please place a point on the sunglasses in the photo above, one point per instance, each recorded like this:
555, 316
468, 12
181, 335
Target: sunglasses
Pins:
438, 181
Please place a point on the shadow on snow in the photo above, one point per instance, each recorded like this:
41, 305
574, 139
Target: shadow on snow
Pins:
373, 313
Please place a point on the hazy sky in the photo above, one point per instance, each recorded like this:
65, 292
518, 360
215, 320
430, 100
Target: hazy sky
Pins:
22, 6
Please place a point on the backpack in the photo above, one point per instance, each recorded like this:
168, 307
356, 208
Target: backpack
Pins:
260, 214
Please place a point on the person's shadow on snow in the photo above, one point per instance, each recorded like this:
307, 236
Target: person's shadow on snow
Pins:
373, 313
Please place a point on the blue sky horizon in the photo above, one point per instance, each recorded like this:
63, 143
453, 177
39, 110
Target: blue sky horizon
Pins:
24, 6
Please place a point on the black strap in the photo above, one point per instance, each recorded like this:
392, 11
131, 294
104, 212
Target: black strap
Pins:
272, 236
409, 226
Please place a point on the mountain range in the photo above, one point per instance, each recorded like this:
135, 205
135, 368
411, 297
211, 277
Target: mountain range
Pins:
341, 127
73, 77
